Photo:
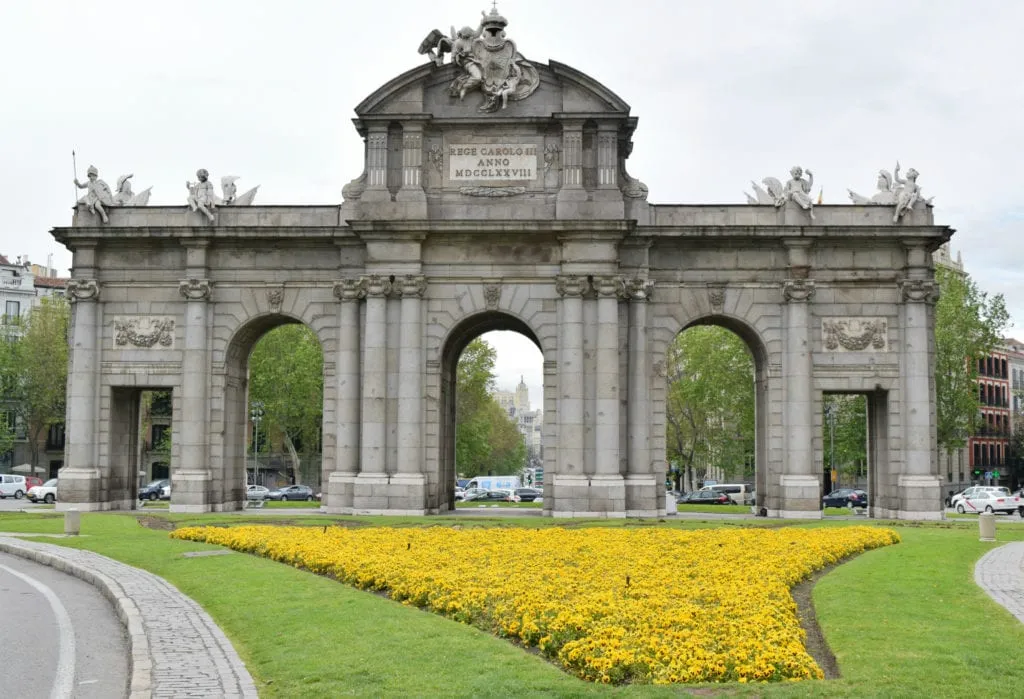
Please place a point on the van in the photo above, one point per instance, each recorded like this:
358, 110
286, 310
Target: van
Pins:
741, 493
495, 483
12, 486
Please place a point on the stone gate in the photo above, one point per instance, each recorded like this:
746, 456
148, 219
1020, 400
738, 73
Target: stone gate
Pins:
495, 195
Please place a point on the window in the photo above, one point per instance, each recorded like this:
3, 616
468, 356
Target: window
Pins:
12, 311
55, 437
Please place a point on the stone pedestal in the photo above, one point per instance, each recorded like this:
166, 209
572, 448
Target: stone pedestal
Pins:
642, 496
380, 494
190, 492
80, 489
920, 497
340, 491
801, 498
582, 496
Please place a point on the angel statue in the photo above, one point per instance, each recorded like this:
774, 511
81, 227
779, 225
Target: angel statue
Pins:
774, 193
97, 195
126, 197
200, 194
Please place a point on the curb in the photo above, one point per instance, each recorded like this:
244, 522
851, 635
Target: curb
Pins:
140, 685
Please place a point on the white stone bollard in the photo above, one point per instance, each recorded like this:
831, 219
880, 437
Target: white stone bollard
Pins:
72, 522
987, 526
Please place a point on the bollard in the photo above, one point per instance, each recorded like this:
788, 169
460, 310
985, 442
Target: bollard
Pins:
72, 522
987, 526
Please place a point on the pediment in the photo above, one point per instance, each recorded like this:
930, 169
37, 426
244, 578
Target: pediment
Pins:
424, 92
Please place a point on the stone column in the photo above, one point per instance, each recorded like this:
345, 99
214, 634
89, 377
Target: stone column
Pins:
192, 480
341, 482
373, 440
919, 484
408, 485
607, 487
799, 483
571, 194
80, 478
642, 491
571, 489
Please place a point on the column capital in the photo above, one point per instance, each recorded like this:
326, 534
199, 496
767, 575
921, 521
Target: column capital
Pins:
83, 290
798, 289
410, 286
639, 290
918, 291
377, 285
350, 289
610, 286
571, 285
195, 289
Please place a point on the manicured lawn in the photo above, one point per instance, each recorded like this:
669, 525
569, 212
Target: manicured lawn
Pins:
894, 617
514, 505
293, 504
714, 509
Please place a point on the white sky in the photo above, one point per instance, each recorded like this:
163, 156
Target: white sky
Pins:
726, 92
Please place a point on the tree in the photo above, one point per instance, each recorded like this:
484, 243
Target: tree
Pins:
486, 439
850, 433
286, 375
968, 326
35, 373
710, 406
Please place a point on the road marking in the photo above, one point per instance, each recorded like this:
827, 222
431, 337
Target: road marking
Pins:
64, 677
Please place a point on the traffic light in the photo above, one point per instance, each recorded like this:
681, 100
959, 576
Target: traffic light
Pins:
977, 473
995, 474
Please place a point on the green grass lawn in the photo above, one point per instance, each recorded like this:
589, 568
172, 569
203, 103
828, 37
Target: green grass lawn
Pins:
515, 505
714, 509
894, 617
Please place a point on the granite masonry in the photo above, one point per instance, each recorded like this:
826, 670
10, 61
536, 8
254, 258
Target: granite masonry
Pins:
514, 213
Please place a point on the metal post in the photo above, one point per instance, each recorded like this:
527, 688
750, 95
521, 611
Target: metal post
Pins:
830, 412
257, 416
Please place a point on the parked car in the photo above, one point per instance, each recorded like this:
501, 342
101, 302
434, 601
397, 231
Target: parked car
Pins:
153, 489
32, 482
292, 492
988, 499
741, 493
256, 492
474, 494
500, 495
845, 497
529, 494
47, 492
684, 498
460, 493
12, 486
706, 497
973, 492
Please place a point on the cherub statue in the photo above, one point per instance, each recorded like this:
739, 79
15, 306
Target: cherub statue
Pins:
126, 197
98, 193
908, 193
200, 194
774, 193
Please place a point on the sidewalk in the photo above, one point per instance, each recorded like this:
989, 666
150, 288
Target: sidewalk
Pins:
176, 648
1000, 573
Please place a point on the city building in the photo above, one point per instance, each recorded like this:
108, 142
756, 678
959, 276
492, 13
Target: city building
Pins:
516, 405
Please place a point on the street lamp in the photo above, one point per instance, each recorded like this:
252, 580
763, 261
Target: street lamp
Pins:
256, 415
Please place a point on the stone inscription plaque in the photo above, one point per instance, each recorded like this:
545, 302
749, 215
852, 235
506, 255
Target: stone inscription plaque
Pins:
492, 162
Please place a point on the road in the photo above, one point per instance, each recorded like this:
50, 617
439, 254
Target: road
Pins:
60, 637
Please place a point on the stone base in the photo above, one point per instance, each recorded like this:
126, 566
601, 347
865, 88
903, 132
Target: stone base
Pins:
920, 497
339, 494
190, 491
642, 495
400, 494
800, 498
80, 489
583, 496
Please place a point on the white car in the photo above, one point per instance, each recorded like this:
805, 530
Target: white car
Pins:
47, 492
987, 499
256, 492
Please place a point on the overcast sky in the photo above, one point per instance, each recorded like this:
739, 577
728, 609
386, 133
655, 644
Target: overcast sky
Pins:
725, 91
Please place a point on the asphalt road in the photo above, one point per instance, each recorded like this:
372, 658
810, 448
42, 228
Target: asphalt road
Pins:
59, 636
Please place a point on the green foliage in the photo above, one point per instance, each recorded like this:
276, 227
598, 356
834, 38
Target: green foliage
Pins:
850, 433
968, 325
34, 370
710, 400
286, 375
487, 441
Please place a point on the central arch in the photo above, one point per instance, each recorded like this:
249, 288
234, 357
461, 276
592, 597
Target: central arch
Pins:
460, 336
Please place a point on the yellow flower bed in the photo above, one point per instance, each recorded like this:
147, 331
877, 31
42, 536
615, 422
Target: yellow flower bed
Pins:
610, 605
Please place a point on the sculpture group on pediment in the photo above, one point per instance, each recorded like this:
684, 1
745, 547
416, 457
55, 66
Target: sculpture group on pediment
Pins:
797, 189
98, 196
894, 190
488, 61
203, 198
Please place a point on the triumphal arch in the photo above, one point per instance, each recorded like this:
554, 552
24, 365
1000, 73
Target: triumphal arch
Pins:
495, 194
